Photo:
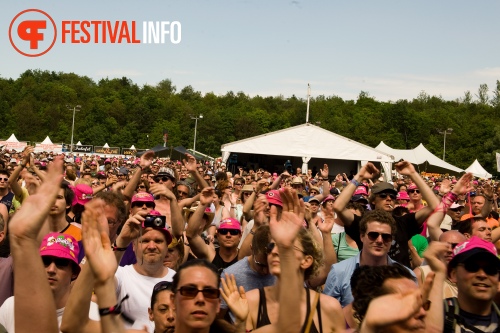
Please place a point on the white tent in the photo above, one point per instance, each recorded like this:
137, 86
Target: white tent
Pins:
47, 141
12, 138
307, 141
477, 170
418, 155
78, 143
105, 145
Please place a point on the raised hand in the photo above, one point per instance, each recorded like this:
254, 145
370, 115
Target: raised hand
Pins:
324, 172
96, 242
445, 186
326, 226
161, 189
147, 159
190, 163
27, 155
368, 171
405, 168
132, 228
463, 185
488, 191
28, 221
285, 230
207, 196
235, 298
434, 255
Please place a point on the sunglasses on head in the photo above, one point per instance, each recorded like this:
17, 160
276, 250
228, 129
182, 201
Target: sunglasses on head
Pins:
373, 236
414, 191
191, 292
148, 204
60, 262
385, 195
233, 232
472, 266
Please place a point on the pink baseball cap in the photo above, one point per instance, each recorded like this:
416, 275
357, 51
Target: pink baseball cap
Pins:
412, 187
83, 194
403, 196
472, 247
63, 246
274, 198
142, 197
230, 223
361, 190
328, 198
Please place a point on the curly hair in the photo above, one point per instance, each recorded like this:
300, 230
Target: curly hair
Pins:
377, 215
367, 284
312, 248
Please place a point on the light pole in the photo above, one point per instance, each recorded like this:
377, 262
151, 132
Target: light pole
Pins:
195, 128
446, 131
74, 108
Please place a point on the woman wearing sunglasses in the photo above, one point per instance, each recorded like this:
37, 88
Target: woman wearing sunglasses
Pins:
196, 284
325, 311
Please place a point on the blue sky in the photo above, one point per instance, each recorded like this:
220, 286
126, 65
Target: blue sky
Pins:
392, 49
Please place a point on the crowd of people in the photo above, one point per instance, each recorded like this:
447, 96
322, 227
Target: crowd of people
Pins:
91, 244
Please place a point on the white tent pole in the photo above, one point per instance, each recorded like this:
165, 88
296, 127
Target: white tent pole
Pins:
308, 96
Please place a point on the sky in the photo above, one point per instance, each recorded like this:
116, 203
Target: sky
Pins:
391, 49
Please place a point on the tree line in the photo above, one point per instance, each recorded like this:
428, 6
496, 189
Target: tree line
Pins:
121, 113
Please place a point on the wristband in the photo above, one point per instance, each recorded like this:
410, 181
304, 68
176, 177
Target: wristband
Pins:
355, 182
116, 248
252, 232
117, 309
448, 199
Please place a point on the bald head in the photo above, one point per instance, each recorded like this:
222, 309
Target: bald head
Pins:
452, 236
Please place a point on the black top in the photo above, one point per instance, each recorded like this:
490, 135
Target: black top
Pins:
263, 319
407, 226
220, 263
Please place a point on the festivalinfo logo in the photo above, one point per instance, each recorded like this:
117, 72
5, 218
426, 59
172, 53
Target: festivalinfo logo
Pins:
33, 32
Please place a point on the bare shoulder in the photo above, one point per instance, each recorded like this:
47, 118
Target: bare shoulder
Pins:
253, 295
330, 303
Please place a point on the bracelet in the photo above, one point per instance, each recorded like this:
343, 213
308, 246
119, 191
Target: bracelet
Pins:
488, 198
117, 309
116, 248
355, 182
252, 232
448, 199
232, 207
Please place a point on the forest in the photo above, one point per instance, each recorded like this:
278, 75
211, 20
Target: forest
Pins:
122, 113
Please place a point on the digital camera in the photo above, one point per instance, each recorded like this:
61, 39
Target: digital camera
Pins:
155, 221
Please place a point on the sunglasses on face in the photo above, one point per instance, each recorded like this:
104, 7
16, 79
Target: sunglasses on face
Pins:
141, 186
233, 232
385, 195
313, 193
472, 266
413, 191
60, 262
238, 184
373, 236
453, 245
191, 292
4, 179
456, 210
270, 247
95, 183
246, 194
163, 179
141, 203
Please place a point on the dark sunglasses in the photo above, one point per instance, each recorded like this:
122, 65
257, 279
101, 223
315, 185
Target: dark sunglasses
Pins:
385, 195
163, 285
164, 179
456, 210
270, 247
313, 192
60, 262
453, 245
4, 179
191, 292
95, 183
141, 186
247, 193
142, 203
233, 232
238, 184
414, 191
472, 266
373, 236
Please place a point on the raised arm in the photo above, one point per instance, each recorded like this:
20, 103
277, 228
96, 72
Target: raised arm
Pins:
196, 225
329, 254
190, 165
146, 160
177, 222
14, 185
407, 169
34, 298
368, 171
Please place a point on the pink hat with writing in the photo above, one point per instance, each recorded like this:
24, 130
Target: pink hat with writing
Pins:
361, 190
62, 246
274, 198
474, 246
230, 223
83, 194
